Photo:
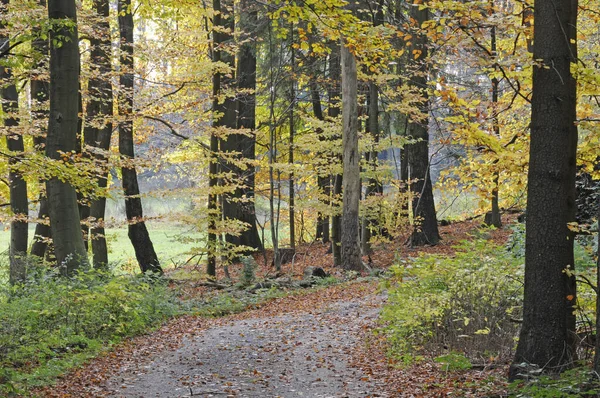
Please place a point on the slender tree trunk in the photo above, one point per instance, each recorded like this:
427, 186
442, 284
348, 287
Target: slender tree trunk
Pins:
351, 258
323, 182
373, 187
494, 215
138, 233
40, 90
292, 203
62, 136
426, 229
333, 111
547, 336
98, 131
19, 204
273, 214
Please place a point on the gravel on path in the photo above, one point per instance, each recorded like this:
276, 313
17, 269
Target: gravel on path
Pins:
294, 355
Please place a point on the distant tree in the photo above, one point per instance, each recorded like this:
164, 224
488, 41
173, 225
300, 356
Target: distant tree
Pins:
547, 337
62, 134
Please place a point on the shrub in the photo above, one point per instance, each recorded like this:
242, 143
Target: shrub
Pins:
462, 304
50, 318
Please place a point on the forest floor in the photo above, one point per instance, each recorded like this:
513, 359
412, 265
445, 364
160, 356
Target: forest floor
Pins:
312, 343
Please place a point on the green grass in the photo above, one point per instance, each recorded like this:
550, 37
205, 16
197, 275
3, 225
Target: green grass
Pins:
173, 243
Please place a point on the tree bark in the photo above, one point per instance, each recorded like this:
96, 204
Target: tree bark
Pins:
98, 131
426, 229
333, 111
62, 136
19, 204
547, 337
246, 119
138, 233
291, 188
39, 91
323, 182
351, 258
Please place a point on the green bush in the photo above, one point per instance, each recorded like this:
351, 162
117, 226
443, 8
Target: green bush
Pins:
50, 319
463, 303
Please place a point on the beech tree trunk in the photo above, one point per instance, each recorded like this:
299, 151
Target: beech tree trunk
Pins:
62, 136
19, 204
333, 111
547, 337
323, 182
39, 91
426, 228
98, 131
138, 233
246, 119
351, 258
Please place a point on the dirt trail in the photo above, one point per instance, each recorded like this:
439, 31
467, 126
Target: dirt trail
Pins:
295, 355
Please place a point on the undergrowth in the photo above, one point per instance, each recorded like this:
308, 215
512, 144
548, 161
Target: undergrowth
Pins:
51, 323
465, 305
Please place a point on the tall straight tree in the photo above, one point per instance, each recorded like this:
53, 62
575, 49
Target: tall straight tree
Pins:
238, 112
17, 186
246, 110
333, 111
423, 205
40, 89
138, 233
98, 130
62, 134
548, 331
351, 258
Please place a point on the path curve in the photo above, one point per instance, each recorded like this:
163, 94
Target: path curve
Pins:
295, 355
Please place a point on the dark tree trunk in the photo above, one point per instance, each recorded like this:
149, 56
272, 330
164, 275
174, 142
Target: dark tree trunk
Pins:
351, 258
494, 217
548, 331
138, 233
214, 214
62, 137
373, 187
98, 131
292, 105
246, 119
19, 204
335, 74
426, 229
232, 208
40, 90
323, 182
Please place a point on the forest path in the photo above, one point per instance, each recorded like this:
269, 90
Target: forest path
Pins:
294, 355
295, 346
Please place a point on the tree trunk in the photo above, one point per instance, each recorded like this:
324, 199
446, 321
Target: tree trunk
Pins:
19, 204
62, 136
351, 258
333, 111
291, 188
246, 119
494, 216
548, 331
323, 182
98, 133
426, 229
373, 187
39, 91
138, 233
